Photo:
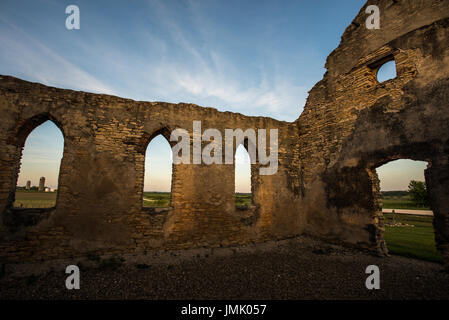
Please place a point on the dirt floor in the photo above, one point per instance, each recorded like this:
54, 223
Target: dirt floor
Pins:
299, 268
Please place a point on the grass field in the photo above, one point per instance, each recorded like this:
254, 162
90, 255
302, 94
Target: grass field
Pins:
35, 199
162, 199
242, 199
400, 202
415, 242
156, 199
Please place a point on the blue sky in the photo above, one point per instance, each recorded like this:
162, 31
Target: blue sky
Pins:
252, 57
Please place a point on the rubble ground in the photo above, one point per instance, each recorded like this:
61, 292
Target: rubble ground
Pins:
297, 268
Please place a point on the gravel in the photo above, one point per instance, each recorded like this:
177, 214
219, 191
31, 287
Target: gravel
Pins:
298, 268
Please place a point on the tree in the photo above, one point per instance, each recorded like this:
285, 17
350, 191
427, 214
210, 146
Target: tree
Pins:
418, 193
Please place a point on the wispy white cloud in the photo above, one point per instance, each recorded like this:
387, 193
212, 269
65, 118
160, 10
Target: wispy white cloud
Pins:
35, 61
280, 98
206, 77
197, 73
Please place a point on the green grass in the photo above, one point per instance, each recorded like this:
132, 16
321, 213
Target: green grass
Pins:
400, 202
243, 199
162, 199
414, 242
156, 199
34, 199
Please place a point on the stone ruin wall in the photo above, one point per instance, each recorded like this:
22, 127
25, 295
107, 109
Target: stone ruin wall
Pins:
99, 201
326, 184
352, 124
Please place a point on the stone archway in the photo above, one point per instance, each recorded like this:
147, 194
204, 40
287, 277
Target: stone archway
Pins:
15, 218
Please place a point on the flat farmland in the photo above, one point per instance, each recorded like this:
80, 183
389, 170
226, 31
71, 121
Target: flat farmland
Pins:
400, 202
162, 199
35, 199
156, 199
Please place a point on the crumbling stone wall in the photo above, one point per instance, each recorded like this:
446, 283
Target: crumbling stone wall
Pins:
326, 184
99, 201
353, 124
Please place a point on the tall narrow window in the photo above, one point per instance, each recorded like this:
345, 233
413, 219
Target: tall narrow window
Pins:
158, 173
243, 196
37, 182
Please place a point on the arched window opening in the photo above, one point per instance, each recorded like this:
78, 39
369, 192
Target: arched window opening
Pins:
387, 71
243, 195
408, 220
158, 173
37, 182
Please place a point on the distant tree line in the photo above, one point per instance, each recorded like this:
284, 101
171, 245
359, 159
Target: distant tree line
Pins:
395, 193
34, 188
417, 192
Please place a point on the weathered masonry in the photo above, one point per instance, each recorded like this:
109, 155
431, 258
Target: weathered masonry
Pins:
326, 184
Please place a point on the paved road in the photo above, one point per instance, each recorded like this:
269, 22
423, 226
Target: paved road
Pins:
408, 211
